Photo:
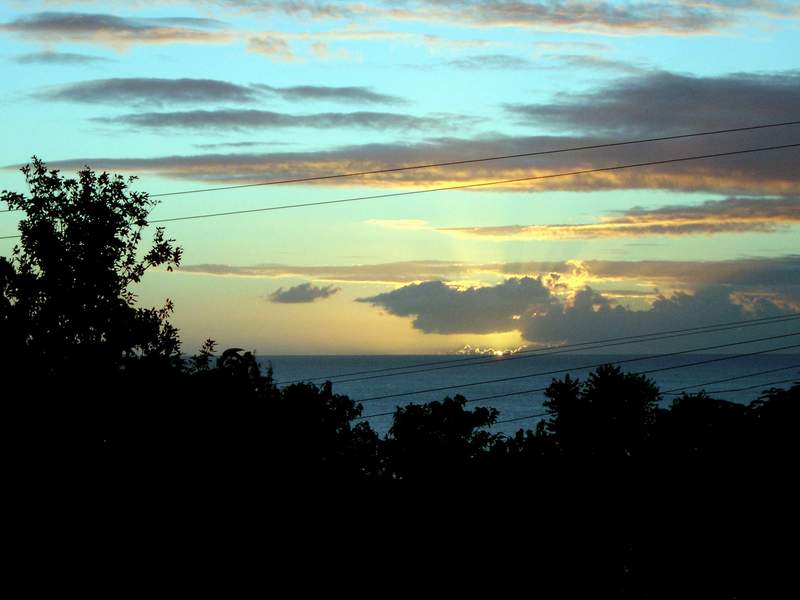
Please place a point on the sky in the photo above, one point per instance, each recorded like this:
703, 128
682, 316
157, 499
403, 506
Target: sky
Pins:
190, 94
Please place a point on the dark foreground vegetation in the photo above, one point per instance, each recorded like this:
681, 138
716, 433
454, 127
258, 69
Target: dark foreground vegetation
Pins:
609, 495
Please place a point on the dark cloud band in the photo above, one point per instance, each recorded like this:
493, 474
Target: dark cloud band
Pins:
249, 119
302, 294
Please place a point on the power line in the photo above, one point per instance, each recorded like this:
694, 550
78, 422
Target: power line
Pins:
467, 185
650, 371
727, 379
624, 361
482, 184
576, 346
725, 391
472, 160
753, 387
573, 347
479, 160
525, 418
647, 372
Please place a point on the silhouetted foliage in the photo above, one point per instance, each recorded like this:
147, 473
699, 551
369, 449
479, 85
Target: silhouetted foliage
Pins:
611, 494
606, 419
66, 292
438, 440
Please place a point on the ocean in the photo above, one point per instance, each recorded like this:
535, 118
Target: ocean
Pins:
363, 378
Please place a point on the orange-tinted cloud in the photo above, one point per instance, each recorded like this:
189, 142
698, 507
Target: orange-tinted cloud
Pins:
767, 173
732, 215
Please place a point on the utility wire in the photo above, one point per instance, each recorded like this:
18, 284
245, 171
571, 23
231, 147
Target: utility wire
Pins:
576, 346
725, 391
525, 418
647, 372
650, 371
727, 379
472, 160
481, 184
479, 160
466, 185
553, 350
624, 361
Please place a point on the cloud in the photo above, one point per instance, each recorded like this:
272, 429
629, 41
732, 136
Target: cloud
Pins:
636, 17
493, 62
303, 293
400, 224
346, 94
732, 215
647, 106
633, 18
50, 57
663, 103
594, 63
397, 272
439, 308
273, 46
150, 90
528, 305
582, 16
116, 32
777, 275
282, 45
239, 145
590, 316
760, 174
249, 119
779, 272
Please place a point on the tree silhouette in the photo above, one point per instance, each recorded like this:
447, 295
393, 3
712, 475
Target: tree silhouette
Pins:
608, 418
66, 300
438, 440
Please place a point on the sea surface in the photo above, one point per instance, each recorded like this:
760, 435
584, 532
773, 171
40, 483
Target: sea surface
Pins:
370, 379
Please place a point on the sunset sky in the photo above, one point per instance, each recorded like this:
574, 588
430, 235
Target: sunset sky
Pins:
204, 93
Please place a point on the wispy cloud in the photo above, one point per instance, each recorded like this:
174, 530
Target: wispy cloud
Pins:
151, 90
391, 273
328, 44
649, 105
274, 46
780, 272
302, 294
400, 224
51, 57
321, 93
490, 62
594, 63
761, 174
233, 119
158, 91
217, 145
116, 32
606, 17
732, 215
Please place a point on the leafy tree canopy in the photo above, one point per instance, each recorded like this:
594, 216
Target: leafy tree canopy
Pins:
66, 298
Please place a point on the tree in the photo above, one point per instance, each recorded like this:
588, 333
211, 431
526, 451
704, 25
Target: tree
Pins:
440, 440
609, 417
66, 303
